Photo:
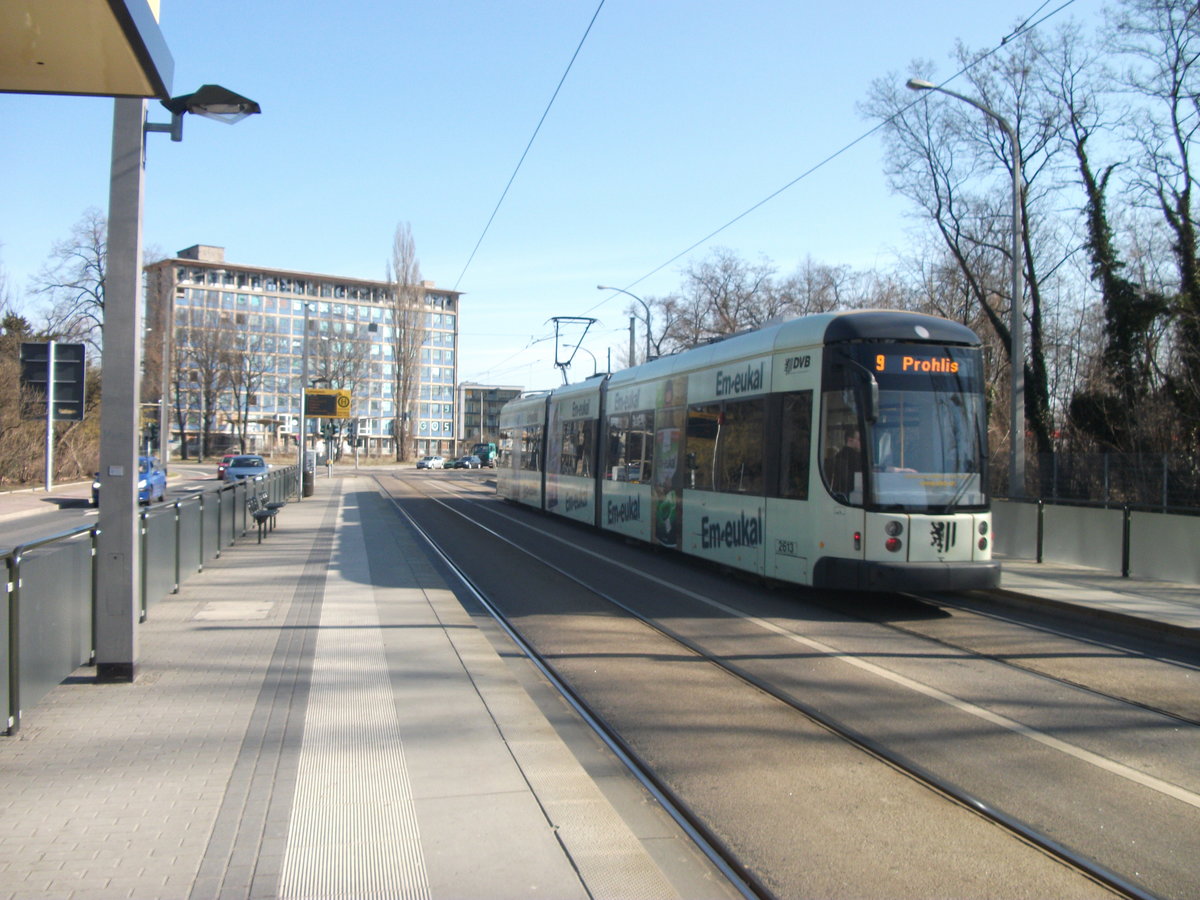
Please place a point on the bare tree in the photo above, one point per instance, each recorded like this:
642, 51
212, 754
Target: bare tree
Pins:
245, 362
202, 344
946, 156
407, 332
342, 360
730, 291
722, 295
1161, 39
72, 281
181, 386
1105, 399
814, 288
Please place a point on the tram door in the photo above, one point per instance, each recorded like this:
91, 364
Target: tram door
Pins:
792, 503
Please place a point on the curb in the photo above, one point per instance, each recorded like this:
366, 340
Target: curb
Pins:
1151, 628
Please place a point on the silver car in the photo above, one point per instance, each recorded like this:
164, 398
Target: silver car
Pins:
248, 466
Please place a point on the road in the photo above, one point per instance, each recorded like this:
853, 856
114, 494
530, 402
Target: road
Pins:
30, 515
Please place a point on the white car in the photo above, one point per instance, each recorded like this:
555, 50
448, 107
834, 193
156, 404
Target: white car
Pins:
431, 462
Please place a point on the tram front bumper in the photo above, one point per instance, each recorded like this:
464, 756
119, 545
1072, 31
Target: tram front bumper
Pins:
861, 575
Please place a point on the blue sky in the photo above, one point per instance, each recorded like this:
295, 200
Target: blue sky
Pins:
676, 117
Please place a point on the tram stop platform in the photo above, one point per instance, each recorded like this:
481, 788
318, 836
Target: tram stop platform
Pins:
320, 716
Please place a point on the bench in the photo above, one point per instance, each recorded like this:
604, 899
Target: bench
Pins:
273, 505
264, 517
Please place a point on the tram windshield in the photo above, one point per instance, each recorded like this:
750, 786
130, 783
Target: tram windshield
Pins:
903, 427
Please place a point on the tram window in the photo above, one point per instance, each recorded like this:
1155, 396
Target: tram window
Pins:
640, 446
703, 427
577, 440
795, 445
614, 447
531, 449
505, 455
725, 447
629, 447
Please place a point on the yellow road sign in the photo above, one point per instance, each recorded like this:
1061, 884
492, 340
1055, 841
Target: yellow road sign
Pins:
322, 403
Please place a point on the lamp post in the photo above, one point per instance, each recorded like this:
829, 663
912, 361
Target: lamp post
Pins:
118, 565
595, 369
603, 287
1016, 461
302, 422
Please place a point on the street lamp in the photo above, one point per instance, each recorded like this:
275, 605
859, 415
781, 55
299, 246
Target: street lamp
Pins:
118, 563
1016, 461
212, 101
603, 287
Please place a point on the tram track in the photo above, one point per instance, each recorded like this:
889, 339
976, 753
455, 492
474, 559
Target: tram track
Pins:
744, 881
1183, 715
1187, 715
944, 787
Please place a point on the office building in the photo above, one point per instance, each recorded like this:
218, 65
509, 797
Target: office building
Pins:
237, 351
478, 406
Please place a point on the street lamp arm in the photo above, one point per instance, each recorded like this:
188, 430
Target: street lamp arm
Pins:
605, 287
916, 84
1016, 467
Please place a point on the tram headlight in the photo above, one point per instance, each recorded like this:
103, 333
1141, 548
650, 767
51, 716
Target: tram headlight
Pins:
894, 528
983, 527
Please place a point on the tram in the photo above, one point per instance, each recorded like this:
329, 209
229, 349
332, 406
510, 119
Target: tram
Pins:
841, 450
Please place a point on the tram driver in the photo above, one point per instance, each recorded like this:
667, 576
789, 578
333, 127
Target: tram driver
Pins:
847, 463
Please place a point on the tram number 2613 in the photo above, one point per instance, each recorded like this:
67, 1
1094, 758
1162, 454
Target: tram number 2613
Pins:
785, 548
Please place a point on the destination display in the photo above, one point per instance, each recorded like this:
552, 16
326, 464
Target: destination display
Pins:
904, 366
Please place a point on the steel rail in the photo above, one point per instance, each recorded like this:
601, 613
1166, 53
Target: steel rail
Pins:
1028, 670
1084, 864
743, 880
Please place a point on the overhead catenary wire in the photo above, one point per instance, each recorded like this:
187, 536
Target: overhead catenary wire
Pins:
532, 138
1027, 24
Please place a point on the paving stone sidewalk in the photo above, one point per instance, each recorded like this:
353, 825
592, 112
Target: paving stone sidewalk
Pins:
111, 791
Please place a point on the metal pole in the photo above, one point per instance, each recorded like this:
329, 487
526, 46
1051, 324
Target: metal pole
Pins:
167, 321
119, 601
1016, 465
302, 430
49, 456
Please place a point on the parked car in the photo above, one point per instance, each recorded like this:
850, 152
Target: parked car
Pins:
152, 482
431, 462
246, 466
465, 462
224, 464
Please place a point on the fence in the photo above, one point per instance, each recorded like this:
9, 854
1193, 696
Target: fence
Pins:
1160, 481
1144, 544
47, 615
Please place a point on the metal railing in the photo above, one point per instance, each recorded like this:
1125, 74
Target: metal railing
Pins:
47, 615
1166, 482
